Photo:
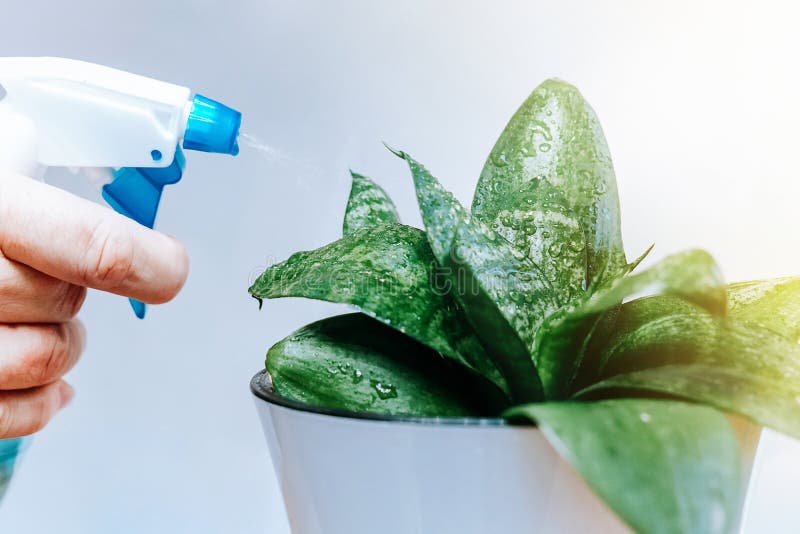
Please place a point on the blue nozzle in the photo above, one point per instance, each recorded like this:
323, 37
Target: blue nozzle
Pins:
212, 127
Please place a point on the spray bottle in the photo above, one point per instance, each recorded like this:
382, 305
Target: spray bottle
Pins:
123, 131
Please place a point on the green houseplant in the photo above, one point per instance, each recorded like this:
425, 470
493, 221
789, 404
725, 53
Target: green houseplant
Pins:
521, 308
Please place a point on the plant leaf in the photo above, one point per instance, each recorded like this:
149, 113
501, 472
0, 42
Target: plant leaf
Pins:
369, 205
662, 466
548, 233
499, 290
501, 341
356, 363
517, 287
693, 275
635, 318
388, 272
561, 346
666, 346
553, 154
774, 304
635, 263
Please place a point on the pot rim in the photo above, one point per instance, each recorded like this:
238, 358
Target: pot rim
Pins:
261, 387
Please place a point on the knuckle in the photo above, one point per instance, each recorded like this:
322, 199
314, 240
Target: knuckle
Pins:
40, 415
108, 257
7, 417
46, 363
70, 300
33, 418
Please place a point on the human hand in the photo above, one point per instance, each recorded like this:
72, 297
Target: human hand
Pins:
53, 245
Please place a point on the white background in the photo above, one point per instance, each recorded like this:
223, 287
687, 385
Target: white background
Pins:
699, 101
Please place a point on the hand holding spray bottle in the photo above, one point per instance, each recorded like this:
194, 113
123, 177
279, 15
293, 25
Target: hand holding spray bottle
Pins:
121, 130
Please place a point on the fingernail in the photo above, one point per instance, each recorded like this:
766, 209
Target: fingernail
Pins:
66, 393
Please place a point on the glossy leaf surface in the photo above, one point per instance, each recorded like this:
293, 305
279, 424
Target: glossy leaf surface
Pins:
663, 466
666, 346
369, 205
518, 288
355, 363
388, 272
692, 275
550, 172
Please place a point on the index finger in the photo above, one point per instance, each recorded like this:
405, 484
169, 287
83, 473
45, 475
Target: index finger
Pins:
81, 242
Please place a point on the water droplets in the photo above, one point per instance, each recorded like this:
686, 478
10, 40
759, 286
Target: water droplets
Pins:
384, 390
357, 376
489, 234
499, 160
525, 276
555, 249
540, 128
337, 369
576, 245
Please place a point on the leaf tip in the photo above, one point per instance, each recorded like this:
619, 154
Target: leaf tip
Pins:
558, 85
354, 176
398, 153
635, 263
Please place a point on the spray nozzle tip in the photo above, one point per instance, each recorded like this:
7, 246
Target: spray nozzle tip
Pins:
212, 127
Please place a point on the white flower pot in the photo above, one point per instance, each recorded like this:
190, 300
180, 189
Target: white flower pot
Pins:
344, 473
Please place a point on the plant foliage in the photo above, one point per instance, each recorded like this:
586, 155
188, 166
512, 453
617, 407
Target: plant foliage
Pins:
521, 307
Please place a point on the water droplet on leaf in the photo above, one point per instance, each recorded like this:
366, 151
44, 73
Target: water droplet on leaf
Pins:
555, 250
385, 390
576, 246
499, 160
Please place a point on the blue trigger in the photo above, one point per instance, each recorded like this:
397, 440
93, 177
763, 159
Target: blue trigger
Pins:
139, 308
136, 191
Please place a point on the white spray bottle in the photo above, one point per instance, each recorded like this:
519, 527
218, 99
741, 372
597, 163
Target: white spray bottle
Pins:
122, 130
